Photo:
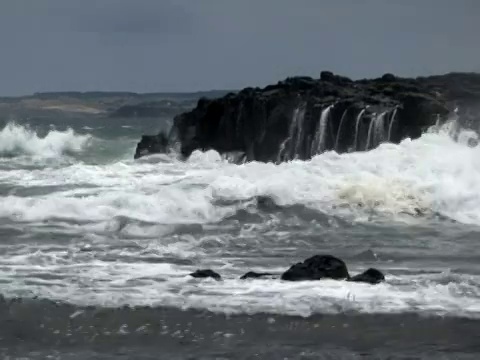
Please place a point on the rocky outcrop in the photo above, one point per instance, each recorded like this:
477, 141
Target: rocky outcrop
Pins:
370, 276
254, 275
300, 117
460, 91
317, 267
152, 144
206, 273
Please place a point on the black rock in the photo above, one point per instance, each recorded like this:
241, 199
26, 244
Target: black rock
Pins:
370, 276
281, 122
317, 267
152, 145
206, 273
331, 77
254, 275
389, 77
327, 76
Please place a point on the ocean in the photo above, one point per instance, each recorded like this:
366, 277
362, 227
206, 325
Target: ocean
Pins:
96, 248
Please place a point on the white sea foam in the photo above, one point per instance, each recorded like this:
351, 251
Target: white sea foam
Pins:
145, 201
17, 140
160, 284
433, 174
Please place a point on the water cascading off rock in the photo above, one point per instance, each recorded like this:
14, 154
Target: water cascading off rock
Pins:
302, 117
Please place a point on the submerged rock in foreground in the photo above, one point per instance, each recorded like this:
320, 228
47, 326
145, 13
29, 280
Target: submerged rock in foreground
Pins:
206, 273
317, 267
370, 276
301, 117
255, 275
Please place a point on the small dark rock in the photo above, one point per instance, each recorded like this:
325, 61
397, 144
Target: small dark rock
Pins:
151, 144
370, 276
317, 267
254, 275
206, 273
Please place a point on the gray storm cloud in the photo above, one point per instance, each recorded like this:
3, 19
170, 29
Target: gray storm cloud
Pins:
183, 45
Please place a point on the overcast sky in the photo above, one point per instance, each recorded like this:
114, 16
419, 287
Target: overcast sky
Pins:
185, 45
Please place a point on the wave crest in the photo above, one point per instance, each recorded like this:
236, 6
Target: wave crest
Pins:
19, 140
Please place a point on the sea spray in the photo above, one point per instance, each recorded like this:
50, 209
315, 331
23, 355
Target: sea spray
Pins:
17, 140
433, 172
129, 232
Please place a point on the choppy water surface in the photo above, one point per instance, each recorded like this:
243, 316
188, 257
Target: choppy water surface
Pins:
83, 224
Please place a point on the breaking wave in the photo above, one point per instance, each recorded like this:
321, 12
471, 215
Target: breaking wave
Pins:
430, 175
19, 140
129, 232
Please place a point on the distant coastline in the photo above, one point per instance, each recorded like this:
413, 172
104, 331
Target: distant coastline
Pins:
105, 103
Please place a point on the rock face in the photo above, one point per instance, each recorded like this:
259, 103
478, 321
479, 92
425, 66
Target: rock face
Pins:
254, 275
317, 267
300, 117
206, 273
370, 276
152, 144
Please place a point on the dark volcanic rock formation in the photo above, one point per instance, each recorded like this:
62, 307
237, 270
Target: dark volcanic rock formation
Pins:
206, 273
301, 117
370, 276
317, 267
152, 144
254, 275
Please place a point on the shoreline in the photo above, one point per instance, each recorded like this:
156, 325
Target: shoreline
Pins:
41, 324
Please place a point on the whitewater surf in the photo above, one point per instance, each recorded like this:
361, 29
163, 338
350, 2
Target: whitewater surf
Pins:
84, 226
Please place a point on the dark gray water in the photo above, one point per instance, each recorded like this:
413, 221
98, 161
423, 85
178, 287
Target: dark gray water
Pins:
95, 249
41, 328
